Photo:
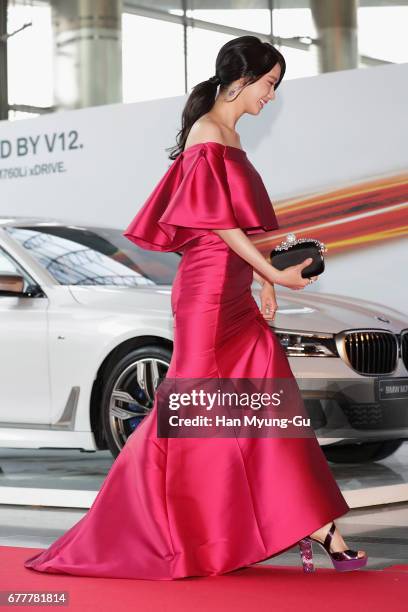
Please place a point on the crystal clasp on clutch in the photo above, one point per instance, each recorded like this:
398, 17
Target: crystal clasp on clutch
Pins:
291, 240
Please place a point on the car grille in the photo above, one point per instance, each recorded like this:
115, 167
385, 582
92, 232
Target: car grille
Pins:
404, 347
369, 351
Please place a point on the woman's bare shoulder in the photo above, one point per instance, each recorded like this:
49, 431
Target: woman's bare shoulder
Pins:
206, 130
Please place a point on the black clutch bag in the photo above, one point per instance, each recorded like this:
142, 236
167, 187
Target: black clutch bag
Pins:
294, 250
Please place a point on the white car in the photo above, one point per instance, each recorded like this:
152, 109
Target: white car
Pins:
86, 337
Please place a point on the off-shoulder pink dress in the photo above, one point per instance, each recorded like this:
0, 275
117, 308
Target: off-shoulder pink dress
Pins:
176, 507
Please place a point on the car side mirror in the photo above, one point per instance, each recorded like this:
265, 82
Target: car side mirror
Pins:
11, 284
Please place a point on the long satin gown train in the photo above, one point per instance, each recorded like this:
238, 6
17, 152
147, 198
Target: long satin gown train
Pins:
176, 507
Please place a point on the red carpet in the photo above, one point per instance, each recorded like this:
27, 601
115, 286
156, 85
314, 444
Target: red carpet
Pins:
257, 588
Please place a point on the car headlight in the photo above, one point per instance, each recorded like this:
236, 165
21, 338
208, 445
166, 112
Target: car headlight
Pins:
307, 344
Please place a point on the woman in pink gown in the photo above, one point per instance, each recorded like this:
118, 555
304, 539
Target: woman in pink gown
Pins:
176, 507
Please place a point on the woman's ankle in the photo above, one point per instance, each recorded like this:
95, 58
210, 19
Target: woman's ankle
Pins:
322, 530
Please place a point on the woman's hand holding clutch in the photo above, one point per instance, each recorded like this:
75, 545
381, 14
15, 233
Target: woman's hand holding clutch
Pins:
291, 277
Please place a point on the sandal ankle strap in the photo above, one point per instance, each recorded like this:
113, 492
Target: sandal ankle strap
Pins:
329, 537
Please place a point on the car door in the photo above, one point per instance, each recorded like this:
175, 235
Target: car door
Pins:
24, 372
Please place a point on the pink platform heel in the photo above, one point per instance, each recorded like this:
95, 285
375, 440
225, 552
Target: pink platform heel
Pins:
343, 561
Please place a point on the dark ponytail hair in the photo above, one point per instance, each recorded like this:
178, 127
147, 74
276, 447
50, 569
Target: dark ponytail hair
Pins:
245, 56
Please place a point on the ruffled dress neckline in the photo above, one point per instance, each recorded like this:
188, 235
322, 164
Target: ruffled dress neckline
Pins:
227, 151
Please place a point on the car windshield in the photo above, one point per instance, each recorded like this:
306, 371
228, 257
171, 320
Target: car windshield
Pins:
94, 256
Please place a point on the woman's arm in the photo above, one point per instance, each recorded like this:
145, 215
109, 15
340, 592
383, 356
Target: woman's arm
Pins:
239, 242
267, 295
243, 246
260, 279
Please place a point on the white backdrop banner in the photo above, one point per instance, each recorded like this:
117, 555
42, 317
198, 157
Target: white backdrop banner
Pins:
332, 151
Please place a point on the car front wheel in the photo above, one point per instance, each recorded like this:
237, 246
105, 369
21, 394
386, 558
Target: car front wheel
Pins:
128, 392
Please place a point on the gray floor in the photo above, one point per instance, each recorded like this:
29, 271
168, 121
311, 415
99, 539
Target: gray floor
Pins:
83, 471
380, 530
